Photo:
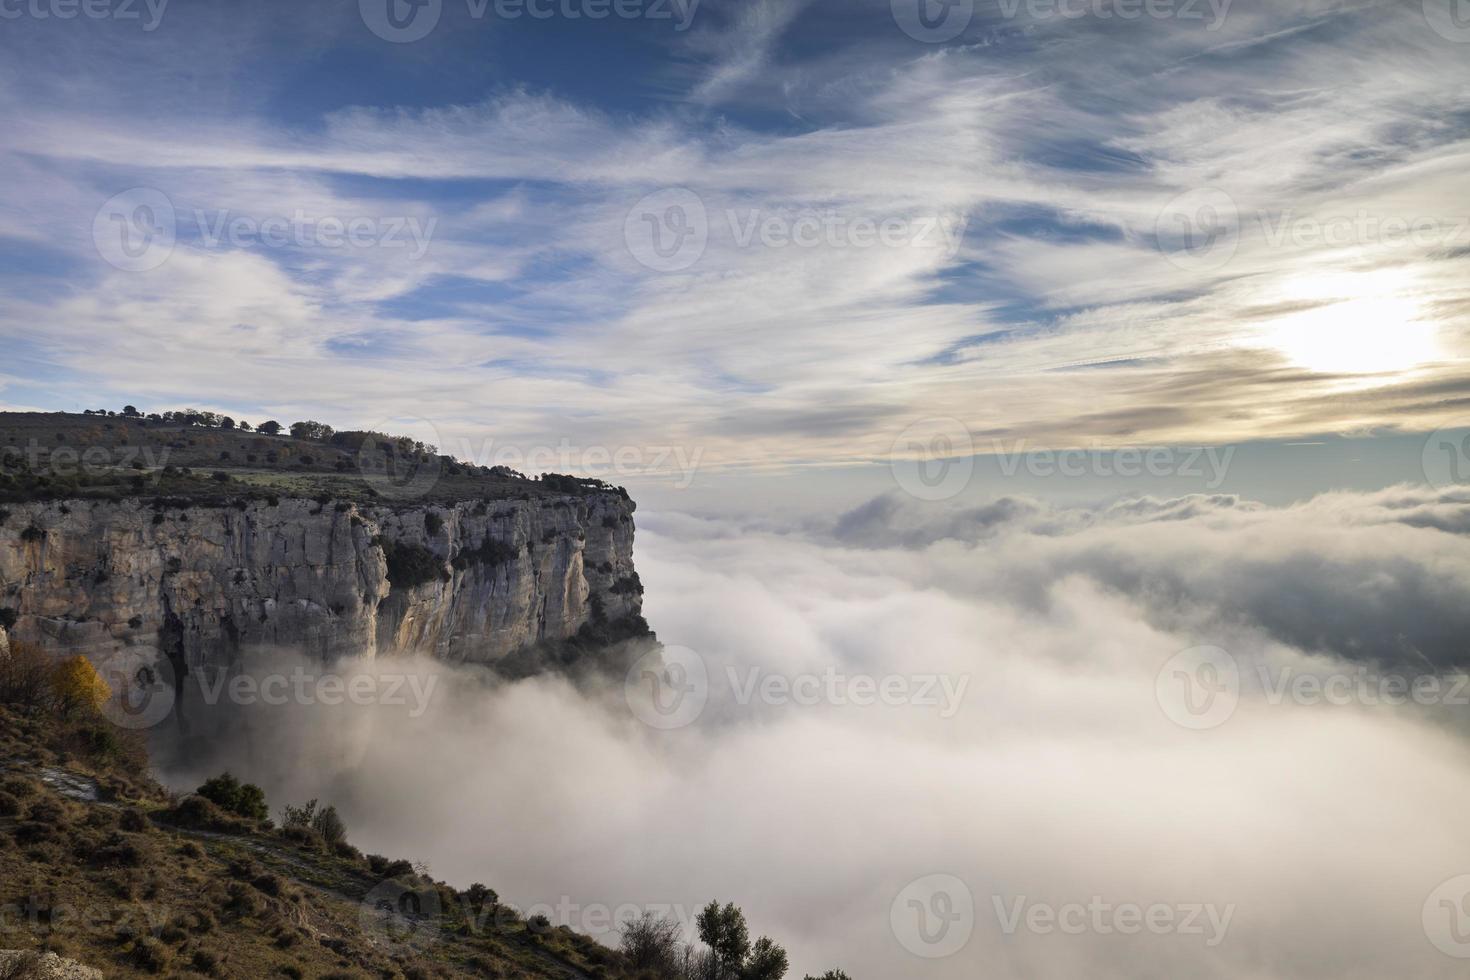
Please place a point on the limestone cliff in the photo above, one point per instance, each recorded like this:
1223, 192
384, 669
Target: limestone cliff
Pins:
478, 579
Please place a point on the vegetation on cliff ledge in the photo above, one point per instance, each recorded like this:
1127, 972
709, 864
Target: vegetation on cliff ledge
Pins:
208, 458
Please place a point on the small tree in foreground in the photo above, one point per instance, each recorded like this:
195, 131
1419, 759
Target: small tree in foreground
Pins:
242, 799
78, 687
652, 943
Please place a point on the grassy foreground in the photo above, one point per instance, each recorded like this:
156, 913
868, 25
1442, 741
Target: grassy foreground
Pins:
102, 866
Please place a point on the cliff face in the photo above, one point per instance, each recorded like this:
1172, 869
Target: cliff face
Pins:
477, 580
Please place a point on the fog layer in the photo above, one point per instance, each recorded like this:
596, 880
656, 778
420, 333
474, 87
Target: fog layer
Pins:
986, 696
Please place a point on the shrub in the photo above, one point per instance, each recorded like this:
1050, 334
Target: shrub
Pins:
653, 944
433, 523
25, 676
18, 786
388, 868
298, 817
151, 955
242, 799
220, 476
330, 826
197, 813
8, 617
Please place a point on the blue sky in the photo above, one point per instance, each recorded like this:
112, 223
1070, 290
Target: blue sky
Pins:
1102, 223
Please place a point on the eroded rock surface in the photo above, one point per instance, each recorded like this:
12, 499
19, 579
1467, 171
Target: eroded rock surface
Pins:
203, 584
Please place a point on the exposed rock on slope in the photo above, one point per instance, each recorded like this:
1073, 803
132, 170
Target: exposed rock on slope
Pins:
468, 581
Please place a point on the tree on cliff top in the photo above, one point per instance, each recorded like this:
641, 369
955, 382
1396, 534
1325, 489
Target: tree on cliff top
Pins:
315, 431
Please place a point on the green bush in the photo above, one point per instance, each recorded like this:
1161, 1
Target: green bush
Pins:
411, 564
242, 799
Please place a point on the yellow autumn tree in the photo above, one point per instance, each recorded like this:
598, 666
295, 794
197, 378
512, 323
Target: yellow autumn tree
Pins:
77, 686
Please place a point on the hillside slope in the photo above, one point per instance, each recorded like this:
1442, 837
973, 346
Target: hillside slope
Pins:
99, 865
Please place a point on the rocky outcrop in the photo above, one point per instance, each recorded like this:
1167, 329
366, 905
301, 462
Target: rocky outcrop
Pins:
476, 580
43, 966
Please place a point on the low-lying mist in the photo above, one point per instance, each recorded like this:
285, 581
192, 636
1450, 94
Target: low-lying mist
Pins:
1156, 739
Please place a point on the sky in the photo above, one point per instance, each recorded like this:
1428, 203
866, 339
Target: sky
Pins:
777, 237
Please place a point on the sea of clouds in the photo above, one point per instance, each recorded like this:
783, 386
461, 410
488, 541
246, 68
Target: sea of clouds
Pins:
963, 742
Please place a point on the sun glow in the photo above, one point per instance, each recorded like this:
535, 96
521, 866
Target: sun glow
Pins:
1368, 324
